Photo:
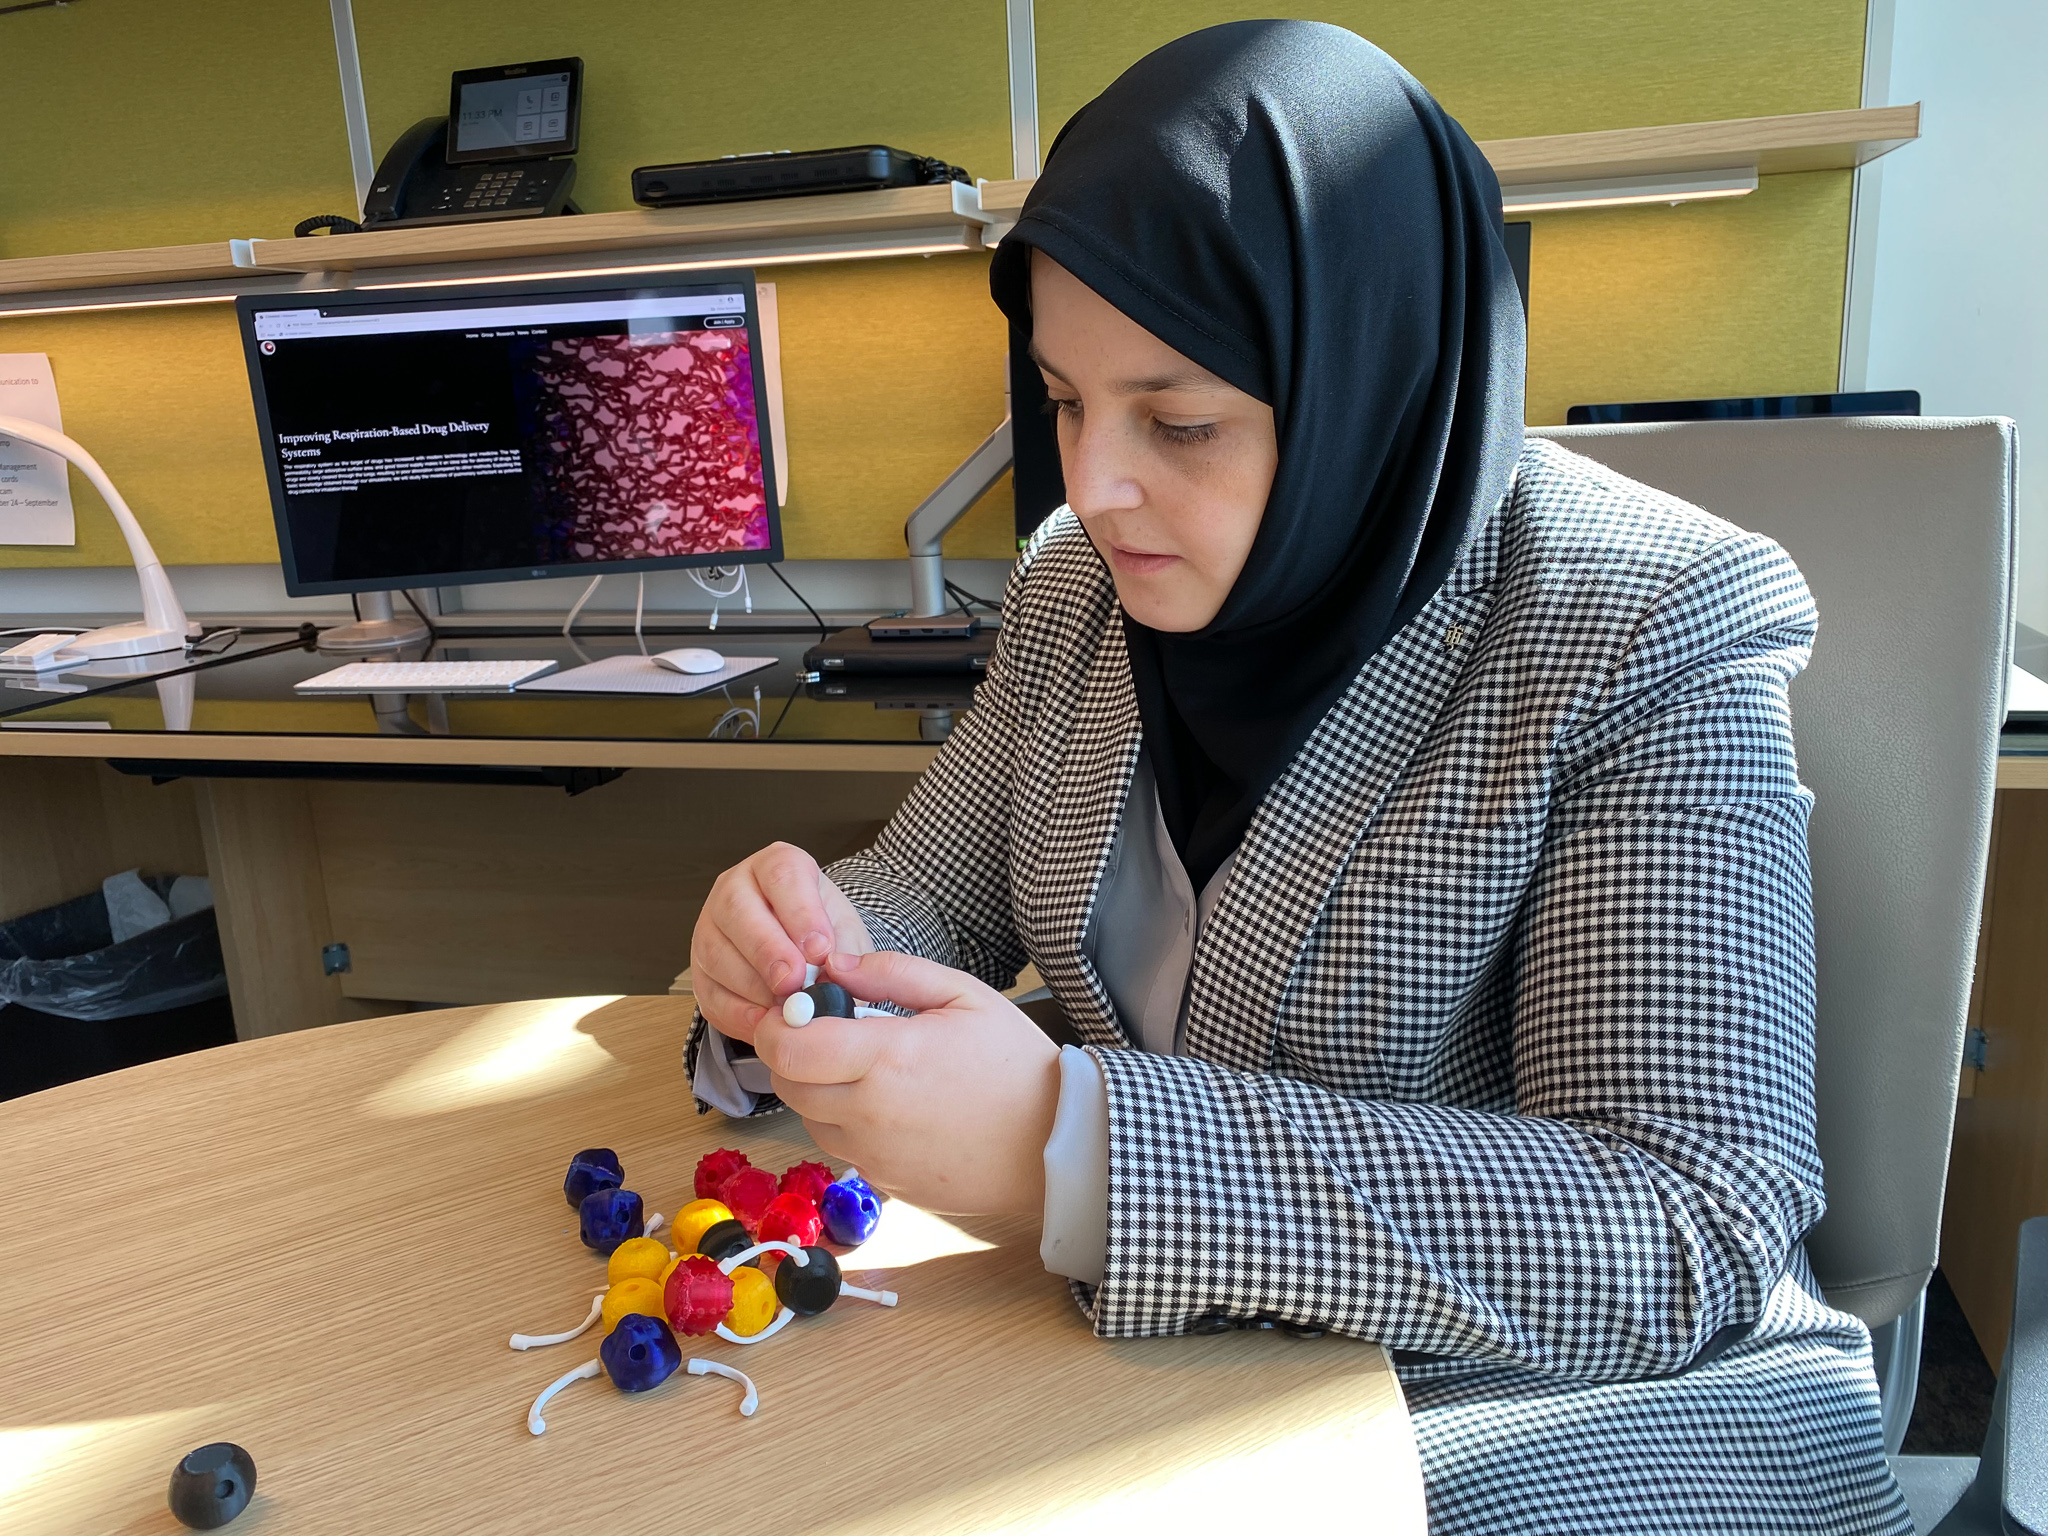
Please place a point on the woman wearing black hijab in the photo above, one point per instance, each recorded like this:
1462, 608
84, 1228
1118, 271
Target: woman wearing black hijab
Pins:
1404, 817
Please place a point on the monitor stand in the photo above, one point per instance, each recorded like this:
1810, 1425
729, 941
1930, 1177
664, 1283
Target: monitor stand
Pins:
376, 629
926, 526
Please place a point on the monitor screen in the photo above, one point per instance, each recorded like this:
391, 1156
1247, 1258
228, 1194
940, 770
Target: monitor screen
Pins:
498, 114
478, 435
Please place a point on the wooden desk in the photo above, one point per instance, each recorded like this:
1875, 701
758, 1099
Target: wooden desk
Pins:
443, 892
316, 1245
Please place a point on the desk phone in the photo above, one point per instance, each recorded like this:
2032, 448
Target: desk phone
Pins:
502, 152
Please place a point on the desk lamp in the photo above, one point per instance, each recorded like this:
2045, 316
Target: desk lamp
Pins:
163, 626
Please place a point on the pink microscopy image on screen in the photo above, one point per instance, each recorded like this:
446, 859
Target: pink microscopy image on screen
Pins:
649, 445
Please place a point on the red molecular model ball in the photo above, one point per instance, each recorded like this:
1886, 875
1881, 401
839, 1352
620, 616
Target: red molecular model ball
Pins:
791, 1219
746, 1194
697, 1296
714, 1168
807, 1179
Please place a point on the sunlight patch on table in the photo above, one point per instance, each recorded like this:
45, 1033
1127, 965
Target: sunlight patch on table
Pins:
1334, 1460
93, 1475
513, 1051
909, 1235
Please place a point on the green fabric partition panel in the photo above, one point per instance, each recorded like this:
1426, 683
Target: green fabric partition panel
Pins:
665, 81
162, 122
149, 122
1742, 297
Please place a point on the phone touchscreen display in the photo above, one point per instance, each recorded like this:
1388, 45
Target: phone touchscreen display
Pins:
519, 114
412, 440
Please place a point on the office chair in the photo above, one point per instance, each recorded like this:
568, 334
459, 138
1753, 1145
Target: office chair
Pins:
1903, 528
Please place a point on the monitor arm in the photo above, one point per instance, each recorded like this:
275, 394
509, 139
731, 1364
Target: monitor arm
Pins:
925, 529
163, 626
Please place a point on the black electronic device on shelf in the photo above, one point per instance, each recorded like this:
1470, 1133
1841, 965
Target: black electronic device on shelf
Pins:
785, 173
860, 652
500, 153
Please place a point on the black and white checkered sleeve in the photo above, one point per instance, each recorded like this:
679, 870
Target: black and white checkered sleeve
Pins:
1639, 1202
937, 881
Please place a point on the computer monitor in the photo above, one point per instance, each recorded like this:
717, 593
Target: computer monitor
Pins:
476, 434
1875, 402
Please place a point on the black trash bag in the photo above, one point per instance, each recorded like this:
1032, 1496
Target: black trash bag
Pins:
63, 960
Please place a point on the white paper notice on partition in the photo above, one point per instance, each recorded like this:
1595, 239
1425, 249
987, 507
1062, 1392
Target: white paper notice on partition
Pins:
35, 492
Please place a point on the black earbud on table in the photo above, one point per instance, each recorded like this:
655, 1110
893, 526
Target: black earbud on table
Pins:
212, 1485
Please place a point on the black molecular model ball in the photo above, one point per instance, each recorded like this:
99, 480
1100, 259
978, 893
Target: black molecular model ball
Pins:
832, 1000
212, 1485
808, 1288
723, 1239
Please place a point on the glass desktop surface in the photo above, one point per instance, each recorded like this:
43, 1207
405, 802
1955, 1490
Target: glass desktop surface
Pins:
247, 690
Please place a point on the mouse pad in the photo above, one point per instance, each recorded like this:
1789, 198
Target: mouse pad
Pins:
639, 674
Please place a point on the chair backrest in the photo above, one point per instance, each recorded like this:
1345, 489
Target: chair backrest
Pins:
1903, 529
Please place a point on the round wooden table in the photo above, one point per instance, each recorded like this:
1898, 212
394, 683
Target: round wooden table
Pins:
317, 1245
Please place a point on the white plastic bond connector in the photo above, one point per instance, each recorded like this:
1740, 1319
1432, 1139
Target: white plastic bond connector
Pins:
793, 1254
714, 1368
542, 1340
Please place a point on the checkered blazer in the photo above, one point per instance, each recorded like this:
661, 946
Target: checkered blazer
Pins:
1499, 1041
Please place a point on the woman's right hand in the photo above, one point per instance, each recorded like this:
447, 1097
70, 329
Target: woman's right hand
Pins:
764, 921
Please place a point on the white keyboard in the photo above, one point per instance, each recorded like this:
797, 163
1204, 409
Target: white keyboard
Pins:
426, 677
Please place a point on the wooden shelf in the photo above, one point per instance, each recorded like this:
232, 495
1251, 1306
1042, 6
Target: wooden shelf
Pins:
904, 221
838, 224
1770, 146
1803, 141
911, 220
99, 269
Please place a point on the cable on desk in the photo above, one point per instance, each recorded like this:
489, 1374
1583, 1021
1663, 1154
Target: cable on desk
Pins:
739, 588
784, 715
776, 570
570, 622
739, 717
406, 592
963, 597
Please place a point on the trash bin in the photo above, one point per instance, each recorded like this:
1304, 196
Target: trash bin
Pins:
127, 974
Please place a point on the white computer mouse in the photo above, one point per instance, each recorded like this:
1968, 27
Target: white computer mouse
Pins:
692, 659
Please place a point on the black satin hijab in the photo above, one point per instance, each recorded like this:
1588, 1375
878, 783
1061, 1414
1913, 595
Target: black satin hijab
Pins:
1285, 205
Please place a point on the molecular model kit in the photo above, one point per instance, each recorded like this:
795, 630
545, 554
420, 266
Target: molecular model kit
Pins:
707, 1278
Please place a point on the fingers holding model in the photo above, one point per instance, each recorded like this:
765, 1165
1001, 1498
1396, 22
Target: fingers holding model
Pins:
949, 1108
767, 918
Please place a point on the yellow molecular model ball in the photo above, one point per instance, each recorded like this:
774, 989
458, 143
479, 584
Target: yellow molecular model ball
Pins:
637, 1258
634, 1294
693, 1221
754, 1302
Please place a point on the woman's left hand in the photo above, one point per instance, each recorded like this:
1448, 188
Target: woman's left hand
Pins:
950, 1108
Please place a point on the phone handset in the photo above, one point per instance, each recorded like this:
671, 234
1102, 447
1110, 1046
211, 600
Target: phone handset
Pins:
415, 156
